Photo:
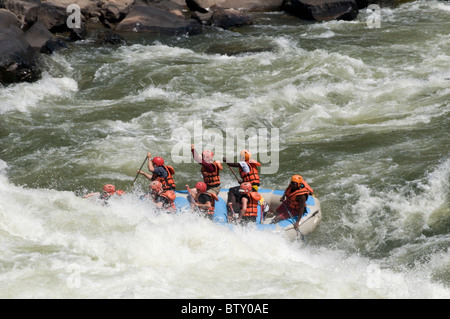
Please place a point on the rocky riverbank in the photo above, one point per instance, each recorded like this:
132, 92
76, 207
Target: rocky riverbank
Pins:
32, 27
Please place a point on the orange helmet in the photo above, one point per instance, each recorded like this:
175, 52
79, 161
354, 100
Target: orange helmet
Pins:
245, 155
201, 187
156, 186
158, 161
246, 187
297, 179
207, 156
109, 188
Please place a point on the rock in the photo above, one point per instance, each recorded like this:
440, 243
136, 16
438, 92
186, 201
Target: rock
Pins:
223, 18
111, 38
20, 7
18, 62
203, 18
196, 6
53, 17
227, 18
172, 6
152, 19
7, 19
322, 10
242, 5
115, 11
42, 40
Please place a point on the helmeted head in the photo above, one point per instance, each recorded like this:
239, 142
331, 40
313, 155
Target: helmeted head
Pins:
109, 188
297, 180
245, 155
207, 156
201, 187
155, 187
158, 161
246, 187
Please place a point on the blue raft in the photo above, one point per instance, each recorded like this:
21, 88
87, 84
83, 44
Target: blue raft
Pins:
309, 221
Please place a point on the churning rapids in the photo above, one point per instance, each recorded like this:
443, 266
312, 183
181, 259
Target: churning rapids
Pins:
362, 115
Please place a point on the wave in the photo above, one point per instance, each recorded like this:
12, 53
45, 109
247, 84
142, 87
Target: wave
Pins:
24, 97
82, 249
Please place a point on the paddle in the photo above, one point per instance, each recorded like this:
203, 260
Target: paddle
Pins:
146, 158
313, 214
293, 222
239, 181
232, 210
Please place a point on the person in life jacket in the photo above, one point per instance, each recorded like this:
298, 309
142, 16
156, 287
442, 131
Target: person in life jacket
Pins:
294, 200
248, 170
164, 199
201, 200
210, 169
161, 173
249, 202
108, 191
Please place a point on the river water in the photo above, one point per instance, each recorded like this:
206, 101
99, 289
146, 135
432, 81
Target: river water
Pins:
361, 113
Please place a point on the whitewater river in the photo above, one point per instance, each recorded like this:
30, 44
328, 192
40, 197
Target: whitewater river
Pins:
361, 113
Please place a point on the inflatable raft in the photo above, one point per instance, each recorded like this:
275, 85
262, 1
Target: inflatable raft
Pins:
309, 221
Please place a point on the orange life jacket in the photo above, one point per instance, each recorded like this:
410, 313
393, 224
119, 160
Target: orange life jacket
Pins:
252, 205
214, 198
170, 196
291, 199
212, 179
168, 183
252, 176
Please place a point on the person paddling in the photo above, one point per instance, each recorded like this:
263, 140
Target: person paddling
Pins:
248, 170
249, 203
161, 173
210, 169
294, 200
201, 200
108, 191
163, 199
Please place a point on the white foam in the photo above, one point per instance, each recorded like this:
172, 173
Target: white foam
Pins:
23, 97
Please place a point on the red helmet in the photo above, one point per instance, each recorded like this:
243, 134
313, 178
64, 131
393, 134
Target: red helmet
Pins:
201, 187
158, 161
109, 188
246, 187
156, 186
207, 155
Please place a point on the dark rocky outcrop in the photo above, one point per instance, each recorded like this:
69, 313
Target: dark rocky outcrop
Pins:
110, 38
46, 22
228, 18
322, 10
153, 19
18, 61
19, 7
7, 19
42, 40
52, 17
242, 5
